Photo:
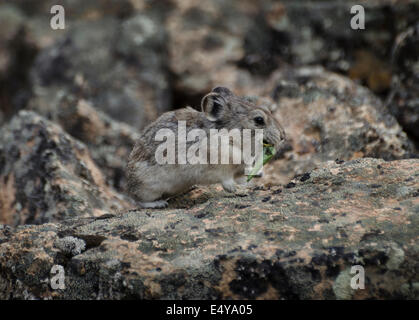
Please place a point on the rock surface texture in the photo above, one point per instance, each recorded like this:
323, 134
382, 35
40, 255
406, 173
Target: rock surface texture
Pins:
327, 117
132, 86
46, 175
298, 242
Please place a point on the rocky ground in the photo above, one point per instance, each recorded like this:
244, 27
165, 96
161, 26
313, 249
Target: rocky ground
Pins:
344, 190
297, 242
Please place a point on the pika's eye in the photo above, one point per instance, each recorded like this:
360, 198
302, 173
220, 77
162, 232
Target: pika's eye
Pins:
259, 121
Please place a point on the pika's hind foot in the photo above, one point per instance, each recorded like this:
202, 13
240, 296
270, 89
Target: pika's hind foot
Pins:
160, 204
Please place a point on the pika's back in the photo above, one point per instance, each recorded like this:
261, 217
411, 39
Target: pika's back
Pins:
147, 143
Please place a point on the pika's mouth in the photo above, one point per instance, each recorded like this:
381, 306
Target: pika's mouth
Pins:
266, 142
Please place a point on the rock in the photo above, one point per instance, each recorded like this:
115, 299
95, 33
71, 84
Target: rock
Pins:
26, 31
327, 117
79, 9
215, 37
209, 37
109, 141
128, 55
156, 55
46, 175
18, 49
291, 243
403, 100
321, 33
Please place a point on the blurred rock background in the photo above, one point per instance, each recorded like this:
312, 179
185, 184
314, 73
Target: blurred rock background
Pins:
118, 64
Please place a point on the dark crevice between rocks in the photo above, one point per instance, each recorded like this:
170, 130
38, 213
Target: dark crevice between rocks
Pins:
15, 88
105, 216
265, 48
54, 71
92, 241
127, 233
254, 278
182, 98
249, 283
7, 276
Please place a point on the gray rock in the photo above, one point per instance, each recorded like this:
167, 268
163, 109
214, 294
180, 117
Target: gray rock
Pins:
403, 100
109, 141
276, 243
46, 175
329, 117
119, 67
18, 48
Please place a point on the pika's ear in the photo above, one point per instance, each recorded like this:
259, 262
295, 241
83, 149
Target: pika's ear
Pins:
214, 106
223, 91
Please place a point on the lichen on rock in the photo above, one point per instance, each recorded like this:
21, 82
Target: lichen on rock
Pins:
46, 175
275, 243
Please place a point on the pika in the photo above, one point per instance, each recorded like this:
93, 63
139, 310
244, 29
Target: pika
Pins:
151, 183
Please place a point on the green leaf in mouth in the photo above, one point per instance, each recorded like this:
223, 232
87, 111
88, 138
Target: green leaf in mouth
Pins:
268, 153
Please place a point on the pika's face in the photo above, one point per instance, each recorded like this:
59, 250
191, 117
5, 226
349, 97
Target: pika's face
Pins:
259, 117
222, 106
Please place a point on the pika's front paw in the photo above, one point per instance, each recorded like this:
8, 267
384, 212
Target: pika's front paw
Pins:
238, 190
